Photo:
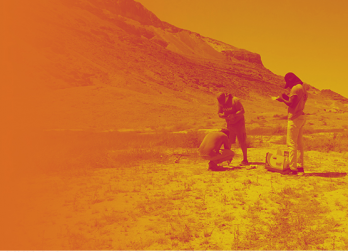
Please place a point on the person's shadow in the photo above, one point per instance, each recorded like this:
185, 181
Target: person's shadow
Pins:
223, 168
256, 163
326, 174
319, 174
232, 168
311, 174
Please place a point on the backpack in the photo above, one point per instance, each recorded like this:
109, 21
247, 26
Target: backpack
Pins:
277, 161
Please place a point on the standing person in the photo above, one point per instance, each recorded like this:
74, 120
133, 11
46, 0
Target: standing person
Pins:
231, 109
211, 145
296, 120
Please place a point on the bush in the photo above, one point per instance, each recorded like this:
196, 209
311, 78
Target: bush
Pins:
279, 130
192, 139
282, 140
337, 142
281, 117
267, 131
307, 129
68, 150
84, 151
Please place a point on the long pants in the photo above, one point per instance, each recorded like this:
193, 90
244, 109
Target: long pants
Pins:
295, 141
237, 130
224, 155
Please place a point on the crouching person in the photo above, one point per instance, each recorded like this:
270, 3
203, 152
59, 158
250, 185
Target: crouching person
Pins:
211, 145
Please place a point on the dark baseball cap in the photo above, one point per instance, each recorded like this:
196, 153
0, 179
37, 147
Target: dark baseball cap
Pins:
221, 96
291, 79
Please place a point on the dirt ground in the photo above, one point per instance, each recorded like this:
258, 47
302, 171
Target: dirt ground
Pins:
182, 205
63, 74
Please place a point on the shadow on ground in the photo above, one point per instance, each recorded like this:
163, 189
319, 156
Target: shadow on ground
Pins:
252, 164
327, 174
231, 168
222, 168
256, 163
317, 174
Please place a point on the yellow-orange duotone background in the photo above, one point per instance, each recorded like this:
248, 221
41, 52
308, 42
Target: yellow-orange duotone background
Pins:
18, 98
315, 47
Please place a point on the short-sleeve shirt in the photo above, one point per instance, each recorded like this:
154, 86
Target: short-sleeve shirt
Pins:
212, 143
302, 96
232, 105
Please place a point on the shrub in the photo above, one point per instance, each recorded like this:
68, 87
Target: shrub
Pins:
68, 150
282, 140
279, 130
307, 129
281, 117
193, 139
267, 131
337, 142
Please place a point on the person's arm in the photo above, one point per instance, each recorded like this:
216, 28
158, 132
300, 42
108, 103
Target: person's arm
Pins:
227, 143
291, 102
240, 110
221, 112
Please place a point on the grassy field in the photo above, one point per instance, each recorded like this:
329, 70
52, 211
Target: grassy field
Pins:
76, 150
151, 191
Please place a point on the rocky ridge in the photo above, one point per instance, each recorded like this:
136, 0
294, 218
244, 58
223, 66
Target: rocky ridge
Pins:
97, 55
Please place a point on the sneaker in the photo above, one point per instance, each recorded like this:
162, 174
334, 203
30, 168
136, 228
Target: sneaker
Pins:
244, 163
289, 172
212, 166
300, 171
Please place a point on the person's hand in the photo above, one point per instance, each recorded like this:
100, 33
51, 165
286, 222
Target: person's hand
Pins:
221, 115
285, 97
280, 99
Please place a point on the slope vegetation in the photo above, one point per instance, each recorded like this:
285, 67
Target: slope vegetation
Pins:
109, 65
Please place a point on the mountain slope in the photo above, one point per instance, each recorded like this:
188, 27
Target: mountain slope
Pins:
106, 64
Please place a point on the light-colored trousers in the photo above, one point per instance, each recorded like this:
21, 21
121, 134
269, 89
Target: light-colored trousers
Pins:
294, 141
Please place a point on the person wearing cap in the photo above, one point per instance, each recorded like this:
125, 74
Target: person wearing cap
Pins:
296, 119
231, 109
210, 148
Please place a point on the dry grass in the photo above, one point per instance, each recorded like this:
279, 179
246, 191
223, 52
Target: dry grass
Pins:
137, 195
206, 213
337, 142
267, 131
84, 151
324, 142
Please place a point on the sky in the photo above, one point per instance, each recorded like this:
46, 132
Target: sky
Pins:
307, 37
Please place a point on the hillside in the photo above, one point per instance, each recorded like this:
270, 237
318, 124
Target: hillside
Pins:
108, 65
82, 70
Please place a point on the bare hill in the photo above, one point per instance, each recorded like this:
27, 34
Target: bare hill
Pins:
110, 65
